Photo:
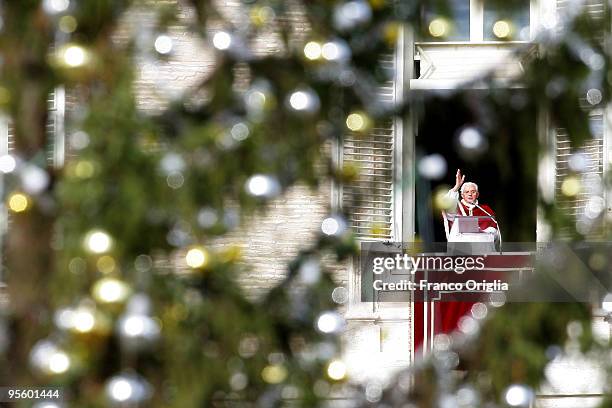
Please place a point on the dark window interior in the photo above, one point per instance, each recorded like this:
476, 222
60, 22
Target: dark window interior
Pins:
505, 171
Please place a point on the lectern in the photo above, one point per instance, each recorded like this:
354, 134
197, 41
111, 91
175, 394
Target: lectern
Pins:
465, 237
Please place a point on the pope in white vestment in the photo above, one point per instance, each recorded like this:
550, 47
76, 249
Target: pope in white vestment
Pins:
468, 205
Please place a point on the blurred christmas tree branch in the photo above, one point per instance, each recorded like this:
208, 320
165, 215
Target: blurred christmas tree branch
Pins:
109, 272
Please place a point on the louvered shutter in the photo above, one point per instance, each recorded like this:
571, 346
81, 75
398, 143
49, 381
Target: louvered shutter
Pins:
596, 9
10, 138
55, 149
7, 146
7, 135
368, 200
592, 149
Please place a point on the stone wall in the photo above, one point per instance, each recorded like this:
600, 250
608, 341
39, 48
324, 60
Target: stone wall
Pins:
376, 343
269, 240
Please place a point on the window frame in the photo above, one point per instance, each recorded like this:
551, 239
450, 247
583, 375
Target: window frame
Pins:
476, 22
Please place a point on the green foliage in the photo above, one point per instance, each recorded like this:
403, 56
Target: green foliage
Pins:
120, 183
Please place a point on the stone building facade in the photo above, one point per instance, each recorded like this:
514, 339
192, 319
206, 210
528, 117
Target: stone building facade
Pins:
378, 337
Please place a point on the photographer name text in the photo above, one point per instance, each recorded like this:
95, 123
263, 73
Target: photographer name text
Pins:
471, 285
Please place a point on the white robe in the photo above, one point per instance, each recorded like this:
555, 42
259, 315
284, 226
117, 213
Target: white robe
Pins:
453, 234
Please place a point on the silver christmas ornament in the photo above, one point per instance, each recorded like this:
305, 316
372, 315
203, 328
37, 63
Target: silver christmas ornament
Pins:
304, 101
351, 14
127, 390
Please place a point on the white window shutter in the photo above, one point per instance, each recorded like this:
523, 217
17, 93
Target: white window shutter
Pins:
593, 149
590, 178
56, 143
7, 135
596, 9
7, 146
368, 199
